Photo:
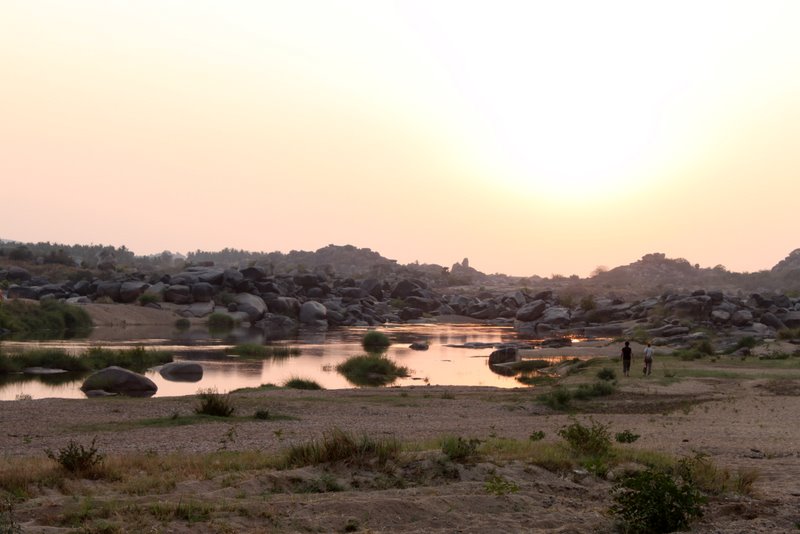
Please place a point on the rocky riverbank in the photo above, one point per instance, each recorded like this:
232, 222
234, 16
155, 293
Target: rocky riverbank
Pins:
282, 303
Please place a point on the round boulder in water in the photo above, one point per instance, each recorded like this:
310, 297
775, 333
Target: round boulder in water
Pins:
182, 371
118, 380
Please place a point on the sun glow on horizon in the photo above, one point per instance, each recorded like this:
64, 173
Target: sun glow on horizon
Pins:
310, 122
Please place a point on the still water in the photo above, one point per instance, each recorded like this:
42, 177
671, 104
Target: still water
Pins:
444, 363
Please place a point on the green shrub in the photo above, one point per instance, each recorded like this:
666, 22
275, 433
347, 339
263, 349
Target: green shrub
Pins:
371, 370
498, 485
626, 436
558, 398
301, 383
8, 523
47, 319
213, 403
183, 323
459, 449
704, 347
261, 414
339, 446
220, 322
75, 458
606, 374
652, 502
588, 391
136, 359
536, 435
789, 333
592, 440
588, 303
375, 341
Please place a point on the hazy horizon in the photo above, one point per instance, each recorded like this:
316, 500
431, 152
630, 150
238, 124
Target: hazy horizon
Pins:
531, 137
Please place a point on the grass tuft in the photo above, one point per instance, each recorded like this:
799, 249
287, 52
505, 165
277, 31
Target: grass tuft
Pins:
337, 445
302, 383
213, 403
371, 370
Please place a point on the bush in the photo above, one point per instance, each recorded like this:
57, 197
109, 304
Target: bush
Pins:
498, 485
371, 370
47, 319
137, 359
557, 399
536, 435
588, 441
598, 389
301, 383
606, 374
652, 502
459, 449
183, 323
213, 403
220, 321
626, 436
375, 341
704, 347
261, 414
76, 458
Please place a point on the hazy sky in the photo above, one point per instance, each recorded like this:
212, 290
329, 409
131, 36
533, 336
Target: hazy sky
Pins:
532, 137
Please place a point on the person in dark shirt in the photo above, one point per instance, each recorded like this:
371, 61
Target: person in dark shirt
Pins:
627, 356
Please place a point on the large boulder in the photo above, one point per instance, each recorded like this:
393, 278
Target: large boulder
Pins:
404, 288
288, 306
791, 319
130, 291
22, 292
108, 289
505, 355
373, 287
202, 292
253, 305
556, 316
118, 380
277, 326
211, 276
182, 371
531, 311
313, 313
742, 318
17, 274
178, 294
771, 320
254, 274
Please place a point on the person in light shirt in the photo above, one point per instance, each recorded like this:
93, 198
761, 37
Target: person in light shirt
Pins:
648, 360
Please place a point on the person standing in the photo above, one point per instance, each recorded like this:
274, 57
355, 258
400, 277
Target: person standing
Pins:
648, 360
627, 356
